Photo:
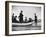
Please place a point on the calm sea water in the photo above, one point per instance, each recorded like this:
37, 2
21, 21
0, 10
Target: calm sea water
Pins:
34, 26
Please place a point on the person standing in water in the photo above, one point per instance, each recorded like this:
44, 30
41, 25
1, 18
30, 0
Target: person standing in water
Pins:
35, 19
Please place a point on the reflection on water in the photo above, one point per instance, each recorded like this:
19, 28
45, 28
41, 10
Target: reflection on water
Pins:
34, 26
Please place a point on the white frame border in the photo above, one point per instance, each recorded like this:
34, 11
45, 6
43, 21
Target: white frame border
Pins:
29, 31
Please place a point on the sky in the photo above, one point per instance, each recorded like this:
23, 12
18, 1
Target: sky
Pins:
28, 11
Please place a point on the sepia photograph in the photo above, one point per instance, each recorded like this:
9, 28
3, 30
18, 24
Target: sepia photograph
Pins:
26, 18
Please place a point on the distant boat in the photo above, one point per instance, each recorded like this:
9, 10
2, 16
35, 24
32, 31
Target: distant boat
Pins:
22, 23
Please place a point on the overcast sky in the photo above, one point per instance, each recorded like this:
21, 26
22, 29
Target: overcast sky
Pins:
28, 11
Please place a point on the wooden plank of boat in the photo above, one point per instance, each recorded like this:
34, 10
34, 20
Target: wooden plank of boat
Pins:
22, 23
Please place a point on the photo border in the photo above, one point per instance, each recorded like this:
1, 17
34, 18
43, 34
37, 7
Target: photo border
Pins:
7, 17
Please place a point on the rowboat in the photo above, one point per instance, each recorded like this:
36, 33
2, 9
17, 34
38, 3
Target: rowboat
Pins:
22, 23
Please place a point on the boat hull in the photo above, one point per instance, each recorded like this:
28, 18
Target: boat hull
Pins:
21, 24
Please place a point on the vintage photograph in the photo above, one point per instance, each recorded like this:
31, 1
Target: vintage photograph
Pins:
24, 18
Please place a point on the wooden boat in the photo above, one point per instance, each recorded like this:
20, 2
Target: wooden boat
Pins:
22, 23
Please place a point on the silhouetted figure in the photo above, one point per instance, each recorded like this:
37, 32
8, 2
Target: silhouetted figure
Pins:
35, 19
30, 20
25, 19
13, 17
15, 20
21, 17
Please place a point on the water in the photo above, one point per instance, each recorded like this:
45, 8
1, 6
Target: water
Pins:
34, 26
